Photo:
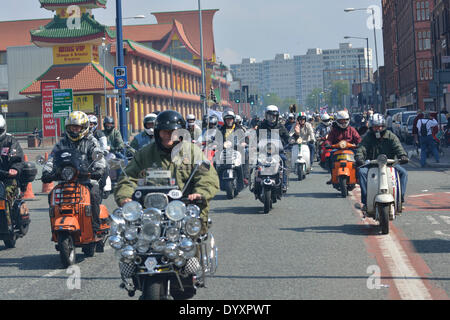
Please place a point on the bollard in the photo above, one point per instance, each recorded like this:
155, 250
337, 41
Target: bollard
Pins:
29, 192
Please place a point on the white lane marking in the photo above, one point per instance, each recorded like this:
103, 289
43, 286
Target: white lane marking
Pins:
420, 195
406, 279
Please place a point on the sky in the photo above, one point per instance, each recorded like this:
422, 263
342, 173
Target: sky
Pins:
248, 28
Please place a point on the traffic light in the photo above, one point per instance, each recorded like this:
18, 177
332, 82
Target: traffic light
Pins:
237, 96
127, 104
251, 100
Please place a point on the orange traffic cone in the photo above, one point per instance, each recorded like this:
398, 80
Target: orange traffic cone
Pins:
29, 192
47, 187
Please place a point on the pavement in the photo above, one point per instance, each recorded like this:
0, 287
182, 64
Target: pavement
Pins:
414, 156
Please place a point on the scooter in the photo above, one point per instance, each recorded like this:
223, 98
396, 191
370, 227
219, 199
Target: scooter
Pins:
383, 191
301, 162
343, 173
230, 171
17, 209
70, 209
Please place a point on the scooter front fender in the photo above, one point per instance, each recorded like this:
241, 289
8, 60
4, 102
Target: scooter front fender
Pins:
384, 198
66, 223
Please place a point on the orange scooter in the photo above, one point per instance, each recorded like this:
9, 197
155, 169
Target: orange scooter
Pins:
343, 173
71, 211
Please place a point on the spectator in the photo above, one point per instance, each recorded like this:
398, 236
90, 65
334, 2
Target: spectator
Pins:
425, 129
38, 134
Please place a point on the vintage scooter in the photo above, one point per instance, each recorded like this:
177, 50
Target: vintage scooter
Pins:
70, 208
343, 173
301, 162
17, 209
383, 191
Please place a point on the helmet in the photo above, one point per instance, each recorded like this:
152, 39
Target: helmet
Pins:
94, 121
377, 120
326, 120
238, 119
301, 116
190, 120
149, 118
213, 121
168, 120
77, 118
2, 128
271, 115
343, 119
229, 114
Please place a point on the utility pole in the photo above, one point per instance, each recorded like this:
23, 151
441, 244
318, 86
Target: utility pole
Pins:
120, 62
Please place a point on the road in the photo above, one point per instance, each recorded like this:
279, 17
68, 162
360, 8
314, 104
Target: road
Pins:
313, 245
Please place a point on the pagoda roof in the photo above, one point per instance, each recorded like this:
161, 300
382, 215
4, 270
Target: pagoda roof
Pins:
17, 33
55, 4
191, 28
82, 78
56, 32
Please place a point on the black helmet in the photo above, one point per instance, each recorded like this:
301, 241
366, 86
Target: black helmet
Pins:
167, 120
108, 120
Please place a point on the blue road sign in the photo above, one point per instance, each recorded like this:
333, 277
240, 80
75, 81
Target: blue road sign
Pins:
120, 78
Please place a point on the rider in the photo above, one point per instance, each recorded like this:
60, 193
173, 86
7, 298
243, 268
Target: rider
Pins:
98, 134
158, 154
113, 136
324, 128
305, 131
341, 130
193, 128
379, 140
11, 161
77, 137
290, 122
270, 122
146, 136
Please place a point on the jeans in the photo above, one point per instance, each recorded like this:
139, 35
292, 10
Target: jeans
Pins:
362, 177
427, 143
312, 150
285, 178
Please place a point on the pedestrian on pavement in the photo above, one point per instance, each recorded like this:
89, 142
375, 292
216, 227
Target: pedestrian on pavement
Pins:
425, 130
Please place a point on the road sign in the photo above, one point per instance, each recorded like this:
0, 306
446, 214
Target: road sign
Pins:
4, 108
120, 78
62, 102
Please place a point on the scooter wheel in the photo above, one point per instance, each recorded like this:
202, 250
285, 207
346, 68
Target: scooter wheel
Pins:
343, 186
66, 249
384, 218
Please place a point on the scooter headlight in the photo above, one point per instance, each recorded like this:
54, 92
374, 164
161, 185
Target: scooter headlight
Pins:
68, 173
176, 210
132, 211
193, 226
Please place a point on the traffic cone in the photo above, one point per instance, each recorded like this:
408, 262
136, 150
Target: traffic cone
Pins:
47, 187
29, 192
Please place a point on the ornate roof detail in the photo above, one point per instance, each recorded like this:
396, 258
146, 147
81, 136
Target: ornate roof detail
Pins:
56, 4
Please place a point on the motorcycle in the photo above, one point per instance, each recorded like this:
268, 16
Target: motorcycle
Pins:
16, 208
159, 242
300, 158
70, 208
383, 191
229, 169
325, 154
267, 176
343, 173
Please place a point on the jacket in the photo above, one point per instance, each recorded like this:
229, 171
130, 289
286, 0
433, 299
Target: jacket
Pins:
282, 132
371, 147
115, 141
11, 156
180, 165
141, 140
338, 134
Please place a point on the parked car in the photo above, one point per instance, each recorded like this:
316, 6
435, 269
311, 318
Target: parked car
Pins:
406, 130
389, 114
400, 119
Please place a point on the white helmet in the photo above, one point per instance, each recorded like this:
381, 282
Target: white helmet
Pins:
150, 118
271, 115
325, 118
238, 119
190, 119
93, 120
343, 119
2, 128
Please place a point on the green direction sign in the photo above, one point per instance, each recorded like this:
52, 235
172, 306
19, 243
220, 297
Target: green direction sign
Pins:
62, 102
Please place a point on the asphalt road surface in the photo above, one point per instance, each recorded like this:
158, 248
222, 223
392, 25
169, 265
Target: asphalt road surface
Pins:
312, 245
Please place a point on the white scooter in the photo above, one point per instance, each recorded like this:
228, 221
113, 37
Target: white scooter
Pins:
383, 191
300, 155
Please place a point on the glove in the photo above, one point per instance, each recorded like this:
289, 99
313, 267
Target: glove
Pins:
48, 177
404, 159
359, 162
96, 175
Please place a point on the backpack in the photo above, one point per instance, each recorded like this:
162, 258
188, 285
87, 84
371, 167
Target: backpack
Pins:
423, 129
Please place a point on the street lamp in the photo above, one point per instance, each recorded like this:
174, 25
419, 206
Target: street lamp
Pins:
203, 93
376, 47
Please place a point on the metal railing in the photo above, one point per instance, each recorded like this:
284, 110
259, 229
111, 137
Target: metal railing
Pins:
19, 126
